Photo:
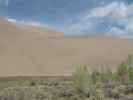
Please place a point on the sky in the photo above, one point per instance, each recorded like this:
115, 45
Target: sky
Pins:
74, 17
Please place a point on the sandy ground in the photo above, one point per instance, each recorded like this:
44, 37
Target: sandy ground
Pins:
32, 51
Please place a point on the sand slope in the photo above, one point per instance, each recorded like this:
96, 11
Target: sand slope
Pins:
28, 50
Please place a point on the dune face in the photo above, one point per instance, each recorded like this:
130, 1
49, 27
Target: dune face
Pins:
28, 50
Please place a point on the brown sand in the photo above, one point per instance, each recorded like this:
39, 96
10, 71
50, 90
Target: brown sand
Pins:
33, 51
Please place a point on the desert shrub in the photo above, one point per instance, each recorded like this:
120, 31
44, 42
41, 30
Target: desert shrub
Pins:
122, 72
125, 70
122, 69
130, 69
81, 79
32, 83
106, 76
95, 76
130, 73
111, 76
114, 77
130, 60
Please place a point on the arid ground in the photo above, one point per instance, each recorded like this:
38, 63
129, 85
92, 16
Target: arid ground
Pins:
34, 51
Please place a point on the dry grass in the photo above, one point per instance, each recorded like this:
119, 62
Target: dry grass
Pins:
81, 86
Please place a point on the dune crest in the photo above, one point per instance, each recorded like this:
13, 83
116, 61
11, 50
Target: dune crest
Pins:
28, 50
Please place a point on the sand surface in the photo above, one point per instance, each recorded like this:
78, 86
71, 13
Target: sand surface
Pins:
33, 51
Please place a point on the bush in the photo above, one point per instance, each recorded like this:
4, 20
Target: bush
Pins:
95, 76
106, 76
111, 76
130, 60
122, 69
123, 73
32, 83
103, 76
130, 69
81, 79
130, 73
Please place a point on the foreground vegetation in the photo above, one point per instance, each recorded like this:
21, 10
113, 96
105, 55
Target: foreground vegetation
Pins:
83, 85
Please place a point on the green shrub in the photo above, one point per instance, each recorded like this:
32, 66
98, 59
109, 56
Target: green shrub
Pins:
81, 79
103, 76
130, 60
114, 77
95, 76
122, 72
122, 69
106, 76
32, 83
130, 73
130, 69
111, 76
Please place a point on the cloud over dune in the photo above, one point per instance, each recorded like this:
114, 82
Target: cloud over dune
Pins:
75, 17
32, 23
115, 18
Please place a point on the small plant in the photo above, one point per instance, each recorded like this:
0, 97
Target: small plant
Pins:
95, 76
130, 73
130, 60
123, 72
81, 79
106, 76
122, 69
32, 83
111, 76
130, 69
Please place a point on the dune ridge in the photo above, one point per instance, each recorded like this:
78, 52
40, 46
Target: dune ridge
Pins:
34, 51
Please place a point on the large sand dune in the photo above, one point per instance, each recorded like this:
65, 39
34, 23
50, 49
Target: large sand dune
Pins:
28, 50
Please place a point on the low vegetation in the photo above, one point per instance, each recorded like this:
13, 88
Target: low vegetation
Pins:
83, 85
81, 80
114, 81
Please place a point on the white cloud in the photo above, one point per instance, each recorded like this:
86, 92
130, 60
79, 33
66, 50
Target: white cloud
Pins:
127, 31
77, 28
114, 10
129, 26
130, 9
118, 16
11, 20
115, 31
32, 23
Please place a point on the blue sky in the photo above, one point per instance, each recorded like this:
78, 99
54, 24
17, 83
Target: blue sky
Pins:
74, 17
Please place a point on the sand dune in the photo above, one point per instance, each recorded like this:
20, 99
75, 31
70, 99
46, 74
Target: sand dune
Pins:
28, 50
